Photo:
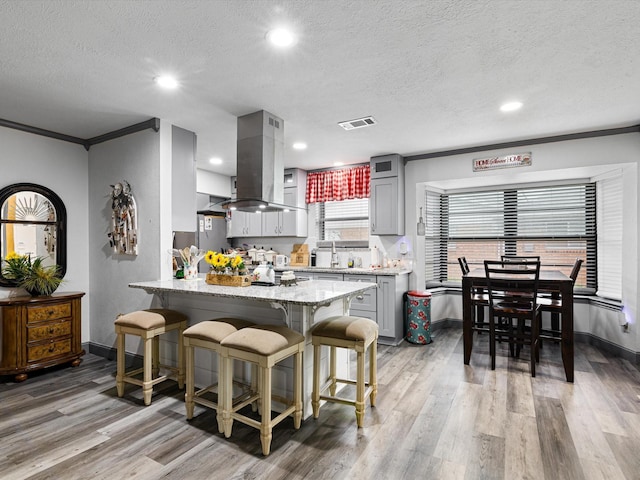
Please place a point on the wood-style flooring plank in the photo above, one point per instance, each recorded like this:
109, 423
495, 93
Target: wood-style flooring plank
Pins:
435, 418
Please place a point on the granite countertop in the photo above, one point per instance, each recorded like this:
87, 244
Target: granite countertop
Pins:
351, 271
308, 292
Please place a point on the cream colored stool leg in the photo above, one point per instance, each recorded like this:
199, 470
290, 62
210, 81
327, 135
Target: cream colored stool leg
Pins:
221, 390
254, 385
315, 395
265, 397
360, 389
188, 394
147, 386
332, 362
155, 357
225, 383
120, 369
373, 372
180, 359
297, 390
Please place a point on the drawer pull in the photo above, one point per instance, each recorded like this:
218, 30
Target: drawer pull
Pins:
360, 297
51, 312
52, 348
51, 330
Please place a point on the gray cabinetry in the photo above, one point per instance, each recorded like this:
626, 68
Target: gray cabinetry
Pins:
245, 224
383, 305
390, 308
365, 304
292, 223
334, 277
386, 203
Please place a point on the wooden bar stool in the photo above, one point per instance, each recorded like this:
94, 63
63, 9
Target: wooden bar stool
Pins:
149, 325
207, 334
355, 333
264, 346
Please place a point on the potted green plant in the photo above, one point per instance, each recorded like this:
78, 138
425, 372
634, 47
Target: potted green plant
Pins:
31, 274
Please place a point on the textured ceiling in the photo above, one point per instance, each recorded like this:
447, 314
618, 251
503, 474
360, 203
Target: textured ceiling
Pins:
432, 73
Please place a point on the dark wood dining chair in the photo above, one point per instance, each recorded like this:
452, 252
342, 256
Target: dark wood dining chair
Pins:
479, 300
551, 302
514, 313
520, 258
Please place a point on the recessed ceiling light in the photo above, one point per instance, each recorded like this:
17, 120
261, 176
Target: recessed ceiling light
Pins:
338, 164
510, 106
215, 161
300, 146
166, 81
280, 37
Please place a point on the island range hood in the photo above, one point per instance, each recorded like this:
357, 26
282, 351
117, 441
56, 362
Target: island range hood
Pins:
260, 164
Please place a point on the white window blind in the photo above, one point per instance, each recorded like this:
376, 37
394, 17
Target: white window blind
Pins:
609, 199
556, 223
344, 220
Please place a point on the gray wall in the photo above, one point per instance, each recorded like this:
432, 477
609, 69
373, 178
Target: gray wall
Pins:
575, 159
134, 158
183, 168
62, 167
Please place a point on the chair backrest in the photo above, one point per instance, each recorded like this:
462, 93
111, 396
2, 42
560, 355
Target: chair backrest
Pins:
520, 258
513, 286
464, 266
576, 269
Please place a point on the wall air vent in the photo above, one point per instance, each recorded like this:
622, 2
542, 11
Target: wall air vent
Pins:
358, 123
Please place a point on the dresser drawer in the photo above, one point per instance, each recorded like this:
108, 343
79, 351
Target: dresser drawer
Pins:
49, 331
48, 312
48, 350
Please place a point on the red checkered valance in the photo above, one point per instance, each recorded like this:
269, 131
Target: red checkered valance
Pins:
343, 184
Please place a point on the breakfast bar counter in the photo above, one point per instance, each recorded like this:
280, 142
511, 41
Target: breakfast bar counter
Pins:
297, 306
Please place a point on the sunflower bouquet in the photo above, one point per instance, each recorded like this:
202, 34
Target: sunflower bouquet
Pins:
220, 262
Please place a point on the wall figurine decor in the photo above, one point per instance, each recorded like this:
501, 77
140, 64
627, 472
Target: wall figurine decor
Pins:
123, 232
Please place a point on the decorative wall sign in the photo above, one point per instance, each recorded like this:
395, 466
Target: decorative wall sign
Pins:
123, 232
505, 161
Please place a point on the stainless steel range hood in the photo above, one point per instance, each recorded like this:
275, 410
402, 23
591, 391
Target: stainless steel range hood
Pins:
260, 164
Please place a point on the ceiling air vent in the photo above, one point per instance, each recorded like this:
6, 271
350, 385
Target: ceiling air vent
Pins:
358, 123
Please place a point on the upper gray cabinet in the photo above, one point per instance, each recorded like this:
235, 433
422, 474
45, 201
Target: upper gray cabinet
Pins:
292, 223
386, 203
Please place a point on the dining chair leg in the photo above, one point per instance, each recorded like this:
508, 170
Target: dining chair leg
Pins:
492, 342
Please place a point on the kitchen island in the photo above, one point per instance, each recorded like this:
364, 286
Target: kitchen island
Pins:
297, 306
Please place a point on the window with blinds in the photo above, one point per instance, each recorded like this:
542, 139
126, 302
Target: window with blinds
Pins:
609, 200
344, 220
558, 223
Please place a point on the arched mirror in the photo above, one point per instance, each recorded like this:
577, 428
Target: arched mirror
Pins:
33, 222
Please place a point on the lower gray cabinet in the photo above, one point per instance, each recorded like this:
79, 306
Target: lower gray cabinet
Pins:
383, 305
365, 304
390, 309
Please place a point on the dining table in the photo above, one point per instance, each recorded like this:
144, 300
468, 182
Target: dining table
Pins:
553, 281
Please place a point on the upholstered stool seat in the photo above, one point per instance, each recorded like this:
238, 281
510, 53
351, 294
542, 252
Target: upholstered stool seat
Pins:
148, 325
264, 346
355, 333
207, 335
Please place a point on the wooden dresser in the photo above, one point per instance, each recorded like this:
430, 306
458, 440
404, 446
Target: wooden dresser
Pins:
39, 332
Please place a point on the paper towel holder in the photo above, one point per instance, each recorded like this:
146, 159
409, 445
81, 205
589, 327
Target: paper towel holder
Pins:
420, 227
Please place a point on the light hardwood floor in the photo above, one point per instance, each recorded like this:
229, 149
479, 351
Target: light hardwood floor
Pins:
435, 419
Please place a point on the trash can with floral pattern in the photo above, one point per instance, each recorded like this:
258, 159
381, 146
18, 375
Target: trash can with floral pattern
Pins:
418, 317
